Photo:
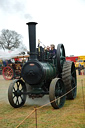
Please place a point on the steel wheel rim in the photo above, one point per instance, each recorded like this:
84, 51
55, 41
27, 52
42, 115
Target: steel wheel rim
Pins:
8, 73
56, 92
15, 93
69, 78
73, 80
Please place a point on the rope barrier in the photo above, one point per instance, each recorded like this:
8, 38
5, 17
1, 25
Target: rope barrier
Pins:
35, 109
55, 99
36, 116
26, 118
83, 94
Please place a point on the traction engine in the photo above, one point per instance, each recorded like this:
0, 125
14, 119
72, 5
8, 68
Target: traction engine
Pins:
44, 74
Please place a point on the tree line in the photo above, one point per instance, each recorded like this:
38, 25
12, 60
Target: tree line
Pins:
10, 40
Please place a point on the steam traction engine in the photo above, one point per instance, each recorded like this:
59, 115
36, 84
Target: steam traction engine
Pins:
44, 74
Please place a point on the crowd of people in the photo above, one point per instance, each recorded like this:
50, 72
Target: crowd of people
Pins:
51, 49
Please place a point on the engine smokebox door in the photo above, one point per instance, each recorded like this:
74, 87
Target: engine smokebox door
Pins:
32, 73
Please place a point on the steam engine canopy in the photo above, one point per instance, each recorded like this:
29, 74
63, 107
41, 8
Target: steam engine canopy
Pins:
32, 72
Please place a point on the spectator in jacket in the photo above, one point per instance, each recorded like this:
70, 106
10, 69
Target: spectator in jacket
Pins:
53, 50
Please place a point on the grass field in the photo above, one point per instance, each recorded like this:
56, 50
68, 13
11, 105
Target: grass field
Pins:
72, 115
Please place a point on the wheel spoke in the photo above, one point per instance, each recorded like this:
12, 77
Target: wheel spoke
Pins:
18, 85
58, 101
17, 101
13, 96
21, 98
14, 89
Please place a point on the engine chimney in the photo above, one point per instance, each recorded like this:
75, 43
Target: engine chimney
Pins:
32, 40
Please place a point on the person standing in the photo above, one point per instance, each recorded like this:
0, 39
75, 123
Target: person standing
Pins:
79, 69
53, 50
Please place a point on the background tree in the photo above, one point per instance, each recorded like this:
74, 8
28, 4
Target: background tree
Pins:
10, 39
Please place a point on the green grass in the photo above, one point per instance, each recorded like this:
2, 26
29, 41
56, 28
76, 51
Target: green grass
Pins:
72, 115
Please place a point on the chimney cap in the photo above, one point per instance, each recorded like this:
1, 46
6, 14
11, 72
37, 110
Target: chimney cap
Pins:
32, 23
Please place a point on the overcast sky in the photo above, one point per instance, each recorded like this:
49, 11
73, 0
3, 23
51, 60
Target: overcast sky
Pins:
59, 21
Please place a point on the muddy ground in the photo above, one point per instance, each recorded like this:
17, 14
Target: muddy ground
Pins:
4, 89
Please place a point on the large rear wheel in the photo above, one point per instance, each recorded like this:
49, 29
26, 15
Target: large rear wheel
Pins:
69, 79
56, 92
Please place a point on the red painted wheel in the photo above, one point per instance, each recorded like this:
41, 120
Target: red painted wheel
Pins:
8, 73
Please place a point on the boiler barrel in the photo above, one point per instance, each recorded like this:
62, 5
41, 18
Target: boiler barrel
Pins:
49, 70
35, 72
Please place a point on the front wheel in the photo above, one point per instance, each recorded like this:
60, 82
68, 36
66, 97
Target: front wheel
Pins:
16, 94
56, 93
